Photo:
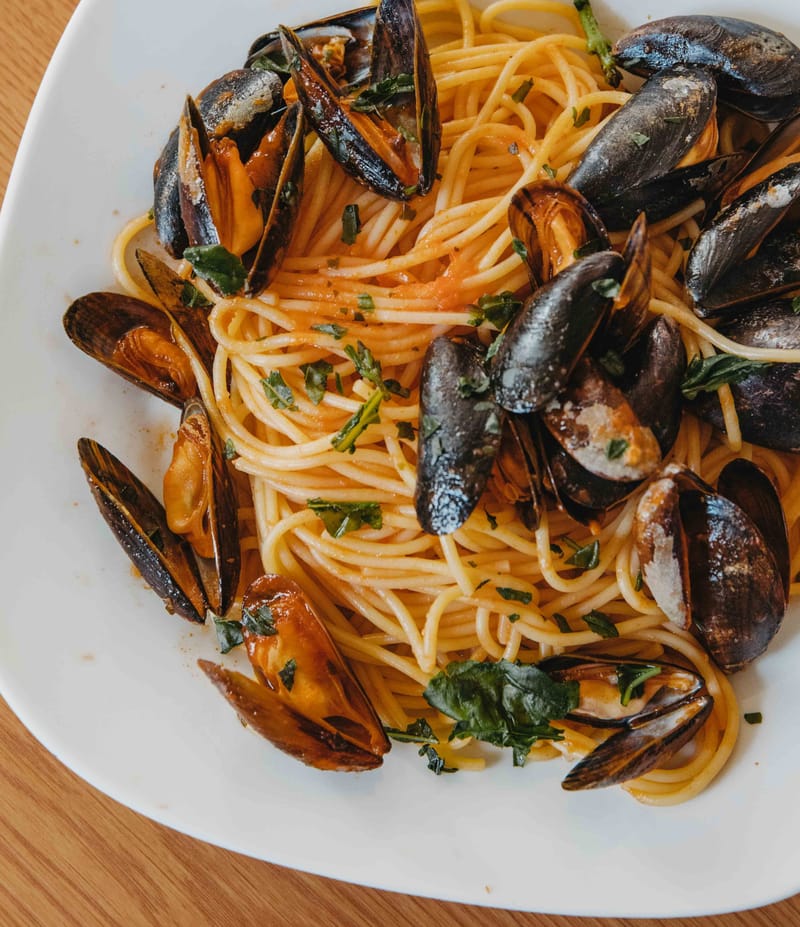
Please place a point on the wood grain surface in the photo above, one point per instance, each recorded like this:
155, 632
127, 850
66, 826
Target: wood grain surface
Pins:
71, 857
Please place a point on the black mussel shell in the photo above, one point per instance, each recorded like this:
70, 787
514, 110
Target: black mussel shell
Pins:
238, 105
735, 232
135, 340
768, 399
139, 523
460, 433
518, 469
758, 69
542, 345
649, 135
630, 313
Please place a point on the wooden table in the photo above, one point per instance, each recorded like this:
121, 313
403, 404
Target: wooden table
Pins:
70, 856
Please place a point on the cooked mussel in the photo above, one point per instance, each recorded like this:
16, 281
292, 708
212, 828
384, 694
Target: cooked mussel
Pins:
757, 69
139, 523
200, 504
135, 340
460, 433
341, 44
768, 397
669, 123
247, 206
304, 699
657, 706
238, 105
388, 135
707, 562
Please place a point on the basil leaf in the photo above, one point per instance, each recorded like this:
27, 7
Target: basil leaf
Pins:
331, 328
518, 96
278, 393
383, 94
193, 298
631, 678
315, 379
345, 438
497, 310
707, 374
364, 361
340, 518
351, 224
585, 558
261, 621
229, 633
217, 265
418, 732
616, 447
600, 623
287, 673
505, 704
514, 595
435, 763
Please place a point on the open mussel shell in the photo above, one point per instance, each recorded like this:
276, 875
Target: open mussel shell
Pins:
393, 148
594, 423
211, 210
237, 105
293, 653
343, 43
737, 588
263, 709
630, 312
460, 433
518, 470
734, 234
139, 523
201, 504
638, 749
768, 399
553, 221
758, 69
542, 345
182, 304
707, 563
135, 340
650, 134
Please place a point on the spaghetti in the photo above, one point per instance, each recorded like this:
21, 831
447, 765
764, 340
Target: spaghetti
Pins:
516, 105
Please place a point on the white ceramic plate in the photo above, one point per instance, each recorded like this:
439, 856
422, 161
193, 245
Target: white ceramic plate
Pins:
106, 679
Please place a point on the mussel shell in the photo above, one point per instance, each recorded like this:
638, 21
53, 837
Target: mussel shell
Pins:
736, 586
754, 492
631, 310
634, 751
323, 689
758, 69
261, 708
654, 370
618, 149
766, 401
139, 523
238, 105
176, 296
220, 573
531, 214
356, 27
517, 474
97, 324
736, 231
594, 423
460, 435
668, 193
544, 342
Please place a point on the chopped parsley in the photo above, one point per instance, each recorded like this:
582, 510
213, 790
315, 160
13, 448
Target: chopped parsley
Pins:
497, 310
383, 94
707, 374
365, 302
753, 717
518, 96
519, 248
315, 379
193, 298
367, 414
631, 678
563, 624
216, 264
340, 518
229, 451
586, 557
261, 621
287, 673
600, 623
405, 430
514, 595
278, 393
436, 763
418, 732
607, 287
331, 328
579, 118
351, 224
551, 173
616, 447
229, 633
639, 139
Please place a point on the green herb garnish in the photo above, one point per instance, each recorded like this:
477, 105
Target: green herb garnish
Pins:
600, 623
278, 393
707, 374
497, 310
229, 452
519, 247
753, 717
193, 298
631, 678
639, 139
579, 118
518, 96
596, 42
405, 430
436, 763
418, 732
216, 264
607, 287
340, 518
367, 414
331, 328
475, 385
315, 379
351, 224
490, 518
229, 633
616, 447
365, 302
612, 363
380, 96
514, 595
287, 673
261, 621
551, 173
563, 624
586, 557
